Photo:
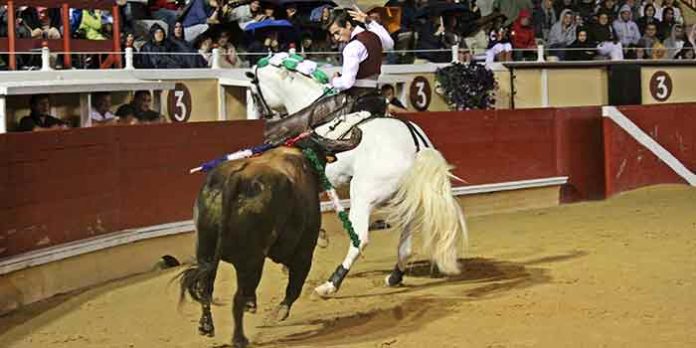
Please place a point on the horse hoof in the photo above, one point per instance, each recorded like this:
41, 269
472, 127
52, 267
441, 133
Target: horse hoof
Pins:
325, 290
281, 313
240, 342
393, 280
323, 240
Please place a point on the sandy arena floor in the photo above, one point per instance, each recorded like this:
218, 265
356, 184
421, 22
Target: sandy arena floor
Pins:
619, 273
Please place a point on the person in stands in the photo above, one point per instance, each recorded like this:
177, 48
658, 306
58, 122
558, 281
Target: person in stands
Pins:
39, 119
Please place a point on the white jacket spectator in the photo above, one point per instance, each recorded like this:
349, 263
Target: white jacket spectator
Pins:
625, 28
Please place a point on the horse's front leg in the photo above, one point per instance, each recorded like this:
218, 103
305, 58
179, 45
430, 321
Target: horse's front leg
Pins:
359, 217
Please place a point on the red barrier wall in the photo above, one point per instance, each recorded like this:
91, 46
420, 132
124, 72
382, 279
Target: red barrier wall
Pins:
630, 165
58, 187
508, 145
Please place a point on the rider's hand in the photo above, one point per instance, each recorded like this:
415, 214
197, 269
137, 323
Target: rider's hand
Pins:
357, 14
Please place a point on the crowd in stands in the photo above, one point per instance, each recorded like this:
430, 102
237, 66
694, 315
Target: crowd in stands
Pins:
137, 111
182, 33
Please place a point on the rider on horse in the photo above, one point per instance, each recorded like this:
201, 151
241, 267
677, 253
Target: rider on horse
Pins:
362, 59
362, 56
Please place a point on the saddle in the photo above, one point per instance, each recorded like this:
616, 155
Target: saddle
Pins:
334, 119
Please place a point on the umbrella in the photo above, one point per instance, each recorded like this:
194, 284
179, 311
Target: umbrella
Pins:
268, 24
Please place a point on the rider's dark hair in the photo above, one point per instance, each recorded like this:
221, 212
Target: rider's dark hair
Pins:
340, 17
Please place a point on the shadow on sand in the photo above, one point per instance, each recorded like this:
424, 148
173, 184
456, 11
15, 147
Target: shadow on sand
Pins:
489, 278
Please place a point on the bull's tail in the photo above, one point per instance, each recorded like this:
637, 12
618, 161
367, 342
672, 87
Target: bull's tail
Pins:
198, 279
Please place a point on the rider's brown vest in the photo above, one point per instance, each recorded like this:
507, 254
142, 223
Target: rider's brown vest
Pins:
372, 66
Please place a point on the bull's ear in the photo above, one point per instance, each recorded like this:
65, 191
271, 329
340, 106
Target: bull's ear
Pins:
249, 75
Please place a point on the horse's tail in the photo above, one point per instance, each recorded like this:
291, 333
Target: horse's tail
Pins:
424, 200
198, 279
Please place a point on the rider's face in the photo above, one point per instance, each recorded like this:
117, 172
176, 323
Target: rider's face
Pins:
340, 34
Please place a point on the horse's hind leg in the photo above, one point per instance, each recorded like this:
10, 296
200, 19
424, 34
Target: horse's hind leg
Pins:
248, 278
396, 277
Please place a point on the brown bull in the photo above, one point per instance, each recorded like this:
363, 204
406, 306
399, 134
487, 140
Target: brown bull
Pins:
247, 210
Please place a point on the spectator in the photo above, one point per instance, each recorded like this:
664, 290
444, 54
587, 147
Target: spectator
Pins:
188, 58
430, 35
675, 10
637, 52
204, 45
561, 5
675, 42
100, 113
664, 29
511, 8
522, 37
228, 51
625, 28
91, 25
499, 46
270, 43
586, 10
635, 8
394, 105
126, 115
658, 51
544, 19
582, 48
563, 33
692, 36
39, 119
268, 12
197, 17
648, 18
166, 11
658, 9
686, 53
36, 25
245, 14
153, 55
609, 7
143, 113
649, 39
602, 34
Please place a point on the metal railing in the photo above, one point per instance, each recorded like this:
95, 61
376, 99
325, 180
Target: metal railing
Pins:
214, 57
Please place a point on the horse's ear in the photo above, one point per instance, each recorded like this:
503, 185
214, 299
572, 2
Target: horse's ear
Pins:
250, 75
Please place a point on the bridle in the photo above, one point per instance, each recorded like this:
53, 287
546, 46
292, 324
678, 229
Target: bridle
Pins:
260, 100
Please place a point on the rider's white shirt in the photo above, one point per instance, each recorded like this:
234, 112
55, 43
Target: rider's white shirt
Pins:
355, 52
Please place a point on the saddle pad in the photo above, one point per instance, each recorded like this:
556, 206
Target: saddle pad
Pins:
340, 126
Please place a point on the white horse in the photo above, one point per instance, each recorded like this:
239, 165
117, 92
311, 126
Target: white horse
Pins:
392, 166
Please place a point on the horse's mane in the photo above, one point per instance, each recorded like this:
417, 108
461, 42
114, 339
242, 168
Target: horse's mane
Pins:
296, 64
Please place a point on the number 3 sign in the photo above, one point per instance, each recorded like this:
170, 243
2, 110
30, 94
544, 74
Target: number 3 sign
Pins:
661, 86
179, 103
420, 93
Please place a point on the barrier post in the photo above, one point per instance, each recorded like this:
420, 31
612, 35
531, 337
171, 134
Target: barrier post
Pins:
129, 59
216, 58
45, 57
65, 16
540, 53
455, 53
11, 35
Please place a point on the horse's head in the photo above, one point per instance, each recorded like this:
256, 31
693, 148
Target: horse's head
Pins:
277, 90
266, 100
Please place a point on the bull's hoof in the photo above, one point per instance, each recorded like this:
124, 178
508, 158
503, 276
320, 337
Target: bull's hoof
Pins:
323, 239
325, 290
281, 313
241, 342
250, 307
206, 327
